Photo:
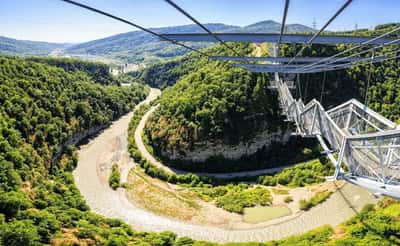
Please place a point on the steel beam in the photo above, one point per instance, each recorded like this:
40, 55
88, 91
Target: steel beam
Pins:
279, 59
275, 69
274, 38
387, 190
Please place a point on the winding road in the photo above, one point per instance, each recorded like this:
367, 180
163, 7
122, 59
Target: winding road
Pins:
110, 146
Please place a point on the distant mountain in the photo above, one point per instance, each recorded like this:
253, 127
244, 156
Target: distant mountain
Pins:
24, 47
270, 26
140, 47
137, 47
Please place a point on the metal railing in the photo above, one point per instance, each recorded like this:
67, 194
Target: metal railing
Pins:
366, 142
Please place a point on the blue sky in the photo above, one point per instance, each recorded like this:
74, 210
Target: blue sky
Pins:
56, 21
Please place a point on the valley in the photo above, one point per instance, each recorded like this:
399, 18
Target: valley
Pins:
155, 205
184, 132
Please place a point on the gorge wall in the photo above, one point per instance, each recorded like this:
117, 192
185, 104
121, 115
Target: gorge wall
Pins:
203, 151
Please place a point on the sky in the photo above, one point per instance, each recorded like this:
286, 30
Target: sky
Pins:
57, 21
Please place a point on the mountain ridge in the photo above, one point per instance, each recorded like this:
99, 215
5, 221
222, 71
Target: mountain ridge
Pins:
137, 46
12, 46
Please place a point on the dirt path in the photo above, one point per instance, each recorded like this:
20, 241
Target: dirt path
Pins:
96, 157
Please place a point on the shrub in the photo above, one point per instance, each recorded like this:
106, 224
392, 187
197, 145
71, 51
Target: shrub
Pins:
310, 172
267, 180
304, 204
307, 151
237, 198
288, 199
280, 191
184, 241
16, 233
115, 177
13, 202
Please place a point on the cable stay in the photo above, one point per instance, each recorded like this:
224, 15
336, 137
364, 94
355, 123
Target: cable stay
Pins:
309, 42
283, 24
323, 87
162, 37
369, 79
292, 69
370, 41
341, 59
177, 7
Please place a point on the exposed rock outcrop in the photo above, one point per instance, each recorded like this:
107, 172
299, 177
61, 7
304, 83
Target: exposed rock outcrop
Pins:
207, 149
76, 138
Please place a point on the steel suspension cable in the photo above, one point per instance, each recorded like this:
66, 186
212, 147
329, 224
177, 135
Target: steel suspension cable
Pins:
285, 11
306, 88
355, 47
338, 12
298, 84
323, 87
349, 56
371, 65
87, 7
365, 60
182, 11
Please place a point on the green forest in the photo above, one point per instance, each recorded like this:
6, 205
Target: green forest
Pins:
98, 72
44, 102
214, 102
205, 100
41, 107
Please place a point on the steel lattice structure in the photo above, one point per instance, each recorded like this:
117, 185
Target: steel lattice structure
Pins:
366, 142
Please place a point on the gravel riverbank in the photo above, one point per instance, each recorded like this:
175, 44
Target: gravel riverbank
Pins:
91, 178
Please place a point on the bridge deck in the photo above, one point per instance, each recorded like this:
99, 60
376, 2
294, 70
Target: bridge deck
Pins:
367, 142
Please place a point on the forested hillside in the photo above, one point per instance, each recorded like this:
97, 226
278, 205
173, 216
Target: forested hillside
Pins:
43, 103
25, 47
98, 72
41, 107
215, 104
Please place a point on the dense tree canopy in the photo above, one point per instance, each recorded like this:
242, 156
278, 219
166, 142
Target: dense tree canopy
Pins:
97, 71
214, 102
41, 107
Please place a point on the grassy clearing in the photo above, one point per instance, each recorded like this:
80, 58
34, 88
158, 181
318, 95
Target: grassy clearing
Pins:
278, 191
260, 214
235, 197
318, 198
157, 197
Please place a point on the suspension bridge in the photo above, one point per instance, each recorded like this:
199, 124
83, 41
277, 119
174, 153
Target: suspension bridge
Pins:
363, 145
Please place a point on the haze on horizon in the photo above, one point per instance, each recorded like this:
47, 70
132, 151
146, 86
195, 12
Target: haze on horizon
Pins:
56, 21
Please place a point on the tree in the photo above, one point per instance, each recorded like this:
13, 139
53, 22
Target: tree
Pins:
115, 177
17, 233
12, 202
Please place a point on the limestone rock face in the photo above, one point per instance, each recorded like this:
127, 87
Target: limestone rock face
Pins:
207, 149
76, 138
